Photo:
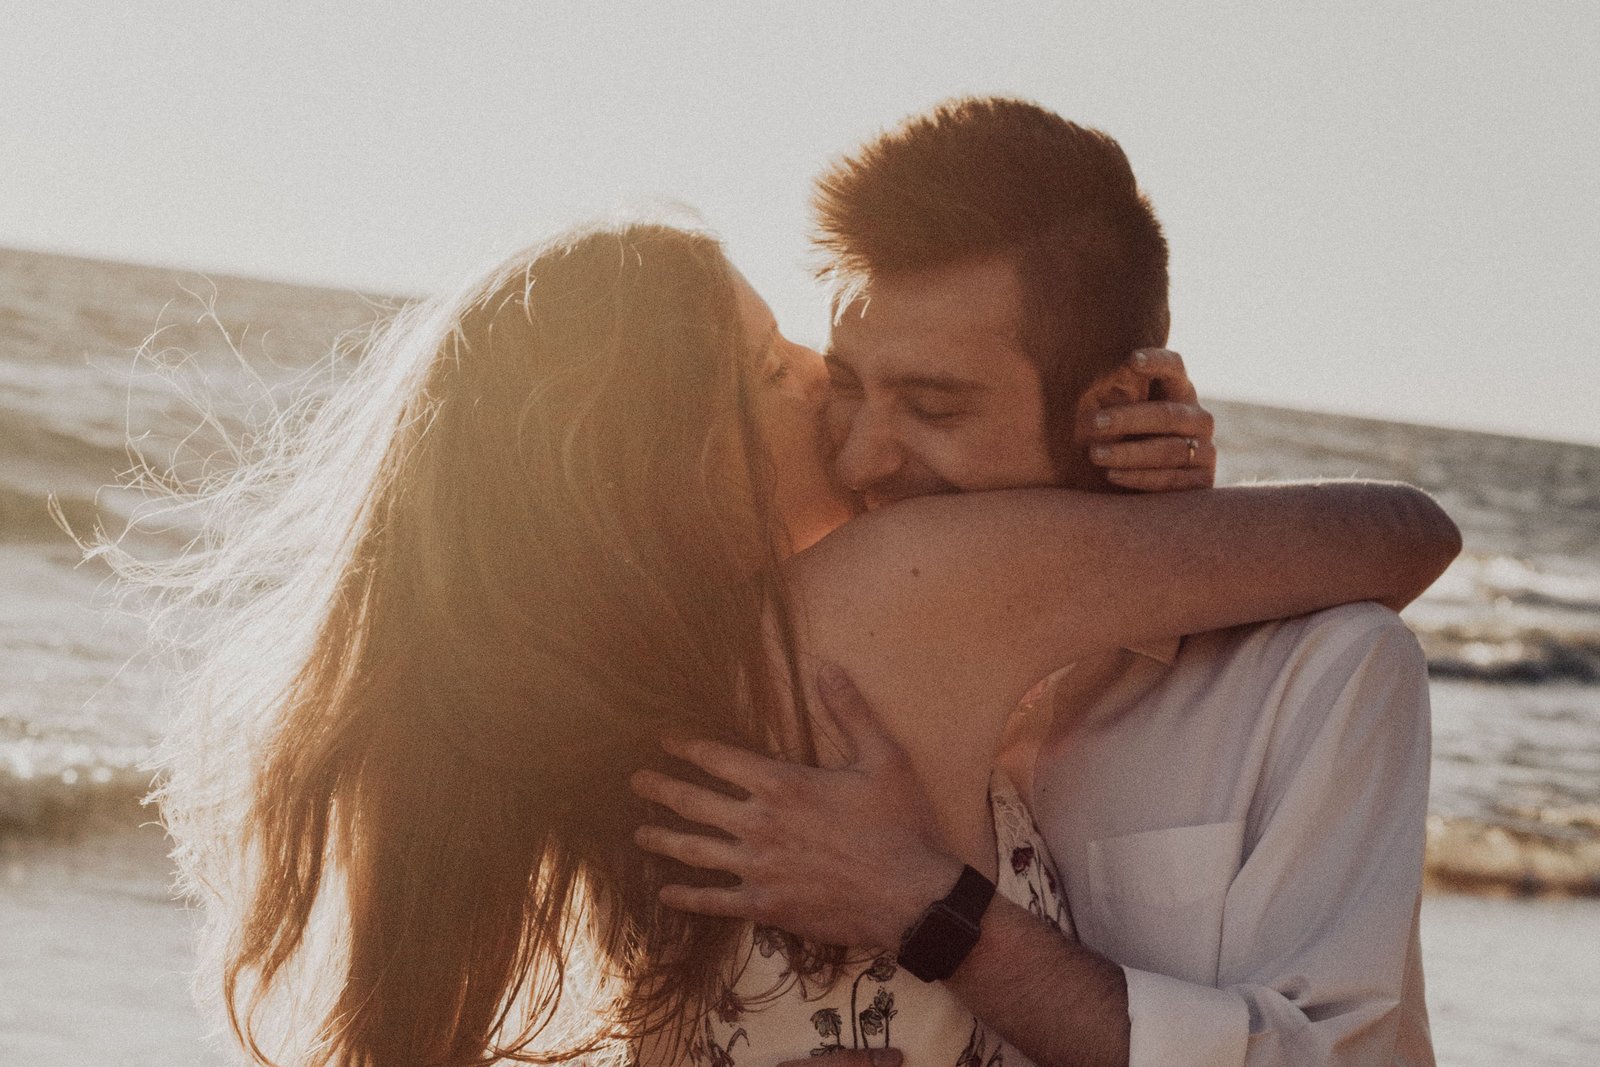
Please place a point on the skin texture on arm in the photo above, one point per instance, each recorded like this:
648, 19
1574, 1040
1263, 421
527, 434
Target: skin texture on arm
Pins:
946, 610
1057, 1002
1062, 573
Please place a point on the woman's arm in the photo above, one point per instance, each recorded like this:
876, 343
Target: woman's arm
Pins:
1038, 578
947, 609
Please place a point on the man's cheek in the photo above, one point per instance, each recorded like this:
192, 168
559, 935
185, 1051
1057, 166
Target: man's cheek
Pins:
950, 461
999, 457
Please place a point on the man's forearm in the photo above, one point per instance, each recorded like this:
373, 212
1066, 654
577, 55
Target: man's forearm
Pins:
1059, 1003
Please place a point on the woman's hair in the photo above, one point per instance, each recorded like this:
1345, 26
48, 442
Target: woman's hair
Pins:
449, 608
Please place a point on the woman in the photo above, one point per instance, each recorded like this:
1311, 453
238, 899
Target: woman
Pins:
550, 523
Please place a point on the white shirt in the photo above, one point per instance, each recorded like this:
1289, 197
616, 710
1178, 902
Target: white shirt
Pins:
1242, 829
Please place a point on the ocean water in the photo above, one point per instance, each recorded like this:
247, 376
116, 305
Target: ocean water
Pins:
1512, 631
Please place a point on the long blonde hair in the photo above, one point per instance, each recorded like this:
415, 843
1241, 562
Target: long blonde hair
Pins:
451, 608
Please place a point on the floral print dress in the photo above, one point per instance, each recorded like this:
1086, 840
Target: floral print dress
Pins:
766, 1017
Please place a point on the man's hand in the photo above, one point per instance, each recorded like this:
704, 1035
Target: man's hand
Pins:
844, 857
1145, 428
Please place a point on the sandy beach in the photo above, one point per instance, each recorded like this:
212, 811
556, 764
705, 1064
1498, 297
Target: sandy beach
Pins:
93, 955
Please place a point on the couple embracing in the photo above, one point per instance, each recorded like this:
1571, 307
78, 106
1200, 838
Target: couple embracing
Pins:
830, 706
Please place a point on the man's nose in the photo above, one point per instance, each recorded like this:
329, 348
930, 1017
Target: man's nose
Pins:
870, 451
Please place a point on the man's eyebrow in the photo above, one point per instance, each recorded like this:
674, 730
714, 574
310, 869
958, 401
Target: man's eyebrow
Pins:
943, 383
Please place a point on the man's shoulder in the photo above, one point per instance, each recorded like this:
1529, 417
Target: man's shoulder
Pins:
1294, 669
1334, 673
1363, 624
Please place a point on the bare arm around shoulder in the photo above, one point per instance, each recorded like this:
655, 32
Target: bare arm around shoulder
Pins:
947, 609
1040, 577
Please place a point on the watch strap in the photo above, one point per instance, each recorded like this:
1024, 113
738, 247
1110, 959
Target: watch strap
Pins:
946, 933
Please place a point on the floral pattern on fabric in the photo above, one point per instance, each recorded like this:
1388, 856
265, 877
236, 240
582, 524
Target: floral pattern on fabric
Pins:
977, 1053
865, 1023
874, 1004
1033, 882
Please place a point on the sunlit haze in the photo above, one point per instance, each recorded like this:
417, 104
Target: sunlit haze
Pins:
1390, 210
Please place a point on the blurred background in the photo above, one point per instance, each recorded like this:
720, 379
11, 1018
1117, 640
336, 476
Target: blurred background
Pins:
1385, 227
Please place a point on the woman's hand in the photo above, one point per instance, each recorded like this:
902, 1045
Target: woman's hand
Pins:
1144, 426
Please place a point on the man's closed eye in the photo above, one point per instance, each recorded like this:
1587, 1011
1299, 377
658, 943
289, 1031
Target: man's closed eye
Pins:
933, 413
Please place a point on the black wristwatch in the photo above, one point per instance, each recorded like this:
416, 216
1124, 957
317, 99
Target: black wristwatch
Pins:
937, 943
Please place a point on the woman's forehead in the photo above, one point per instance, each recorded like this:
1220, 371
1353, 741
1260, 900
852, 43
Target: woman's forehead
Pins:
758, 319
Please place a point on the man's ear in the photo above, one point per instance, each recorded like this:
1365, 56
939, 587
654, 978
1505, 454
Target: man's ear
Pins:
1163, 328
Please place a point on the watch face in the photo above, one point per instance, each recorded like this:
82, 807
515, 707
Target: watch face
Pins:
938, 943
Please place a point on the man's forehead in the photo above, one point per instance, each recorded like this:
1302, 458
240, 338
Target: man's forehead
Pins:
963, 317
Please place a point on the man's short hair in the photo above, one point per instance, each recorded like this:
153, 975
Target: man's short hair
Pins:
981, 177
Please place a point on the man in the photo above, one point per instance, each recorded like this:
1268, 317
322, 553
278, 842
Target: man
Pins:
1238, 819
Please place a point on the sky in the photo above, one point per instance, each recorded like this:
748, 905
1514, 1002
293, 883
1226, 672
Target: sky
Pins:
1380, 209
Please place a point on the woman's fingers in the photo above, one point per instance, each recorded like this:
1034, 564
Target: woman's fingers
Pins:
694, 802
1172, 418
1156, 453
696, 850
1165, 366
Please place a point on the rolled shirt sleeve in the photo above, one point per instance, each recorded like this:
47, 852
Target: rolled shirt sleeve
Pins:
1318, 944
1173, 1022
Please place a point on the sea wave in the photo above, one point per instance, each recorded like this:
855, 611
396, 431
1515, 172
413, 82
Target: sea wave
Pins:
1569, 584
1543, 853
1500, 619
1523, 657
1539, 853
61, 804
